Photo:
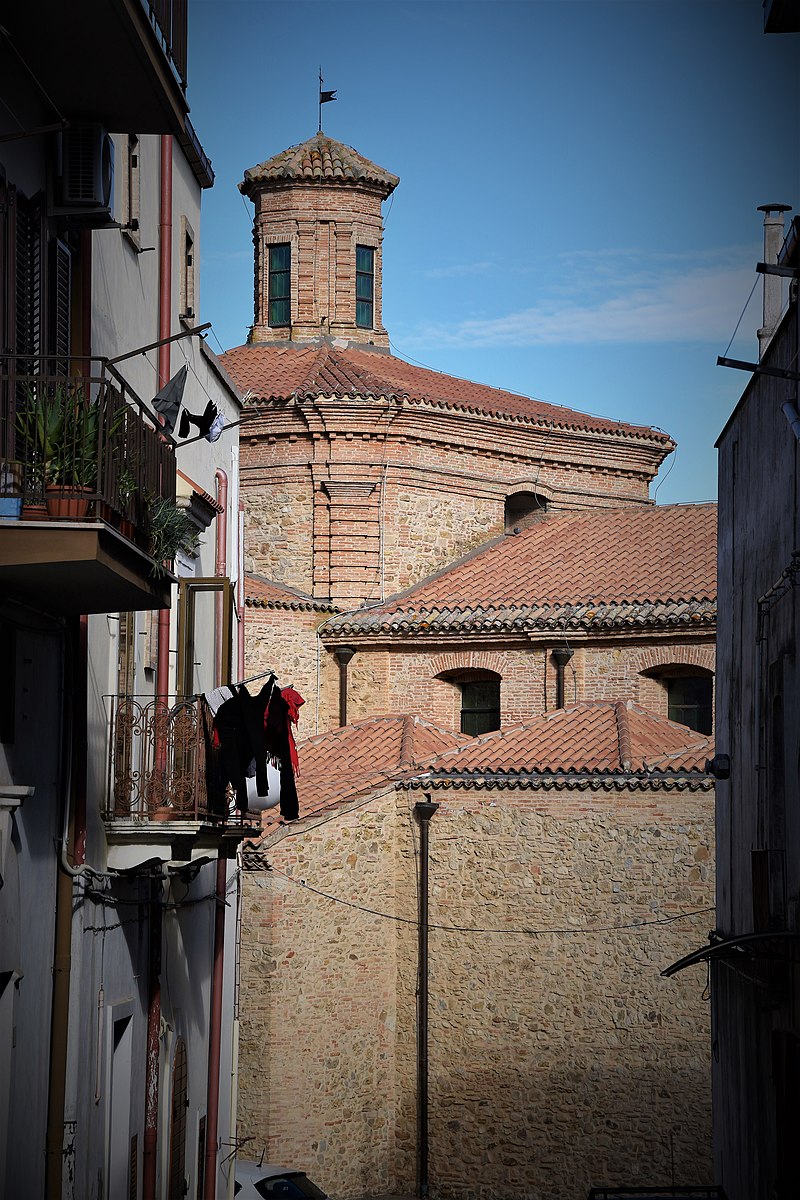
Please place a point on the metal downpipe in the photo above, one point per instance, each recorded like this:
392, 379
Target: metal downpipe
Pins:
423, 811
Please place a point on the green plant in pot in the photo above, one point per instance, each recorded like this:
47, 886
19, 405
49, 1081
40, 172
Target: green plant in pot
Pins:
58, 429
170, 529
39, 428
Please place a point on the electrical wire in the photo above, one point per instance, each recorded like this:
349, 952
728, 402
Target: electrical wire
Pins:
741, 317
585, 930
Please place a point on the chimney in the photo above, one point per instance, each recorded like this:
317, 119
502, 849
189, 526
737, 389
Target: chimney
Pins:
773, 292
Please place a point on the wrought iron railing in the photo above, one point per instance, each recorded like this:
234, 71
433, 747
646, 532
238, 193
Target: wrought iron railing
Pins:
80, 444
157, 765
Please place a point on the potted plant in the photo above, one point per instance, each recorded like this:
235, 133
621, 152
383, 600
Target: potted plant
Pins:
127, 487
58, 430
170, 529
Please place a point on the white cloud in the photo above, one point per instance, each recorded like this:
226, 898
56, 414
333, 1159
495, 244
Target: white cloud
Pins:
456, 270
620, 298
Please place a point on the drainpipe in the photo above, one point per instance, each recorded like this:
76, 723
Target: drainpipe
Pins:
424, 811
773, 241
164, 360
561, 657
62, 947
74, 741
152, 1064
215, 1036
343, 654
221, 569
217, 975
240, 593
150, 1149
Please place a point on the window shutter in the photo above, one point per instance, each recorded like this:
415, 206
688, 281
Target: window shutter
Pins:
28, 282
60, 305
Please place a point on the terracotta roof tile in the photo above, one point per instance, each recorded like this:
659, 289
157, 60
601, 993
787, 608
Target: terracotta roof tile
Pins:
595, 738
598, 564
279, 373
261, 592
343, 763
319, 160
582, 745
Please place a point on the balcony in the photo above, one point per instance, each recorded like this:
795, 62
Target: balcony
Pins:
82, 470
158, 803
119, 62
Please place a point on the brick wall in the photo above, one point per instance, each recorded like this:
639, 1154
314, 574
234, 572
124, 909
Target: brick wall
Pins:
357, 499
323, 224
407, 677
558, 1060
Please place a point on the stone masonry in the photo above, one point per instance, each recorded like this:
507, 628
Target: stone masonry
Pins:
559, 1059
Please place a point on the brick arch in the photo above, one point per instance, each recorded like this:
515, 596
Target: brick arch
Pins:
677, 656
470, 660
529, 485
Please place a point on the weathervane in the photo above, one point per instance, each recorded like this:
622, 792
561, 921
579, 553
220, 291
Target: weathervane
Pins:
324, 98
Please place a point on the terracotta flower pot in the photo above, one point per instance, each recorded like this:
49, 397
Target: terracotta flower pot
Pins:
65, 504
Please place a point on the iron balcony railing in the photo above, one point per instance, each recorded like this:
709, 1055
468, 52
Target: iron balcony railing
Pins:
157, 765
77, 442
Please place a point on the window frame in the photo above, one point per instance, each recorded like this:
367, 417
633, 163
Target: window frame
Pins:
705, 710
285, 297
360, 276
188, 590
188, 306
131, 190
473, 712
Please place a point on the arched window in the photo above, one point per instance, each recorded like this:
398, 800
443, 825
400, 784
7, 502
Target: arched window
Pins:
524, 509
689, 695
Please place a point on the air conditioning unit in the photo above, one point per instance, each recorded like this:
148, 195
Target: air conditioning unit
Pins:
84, 174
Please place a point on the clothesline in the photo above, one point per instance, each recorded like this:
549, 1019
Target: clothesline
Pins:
189, 699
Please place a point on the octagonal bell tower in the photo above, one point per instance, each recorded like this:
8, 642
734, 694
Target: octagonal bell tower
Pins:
318, 233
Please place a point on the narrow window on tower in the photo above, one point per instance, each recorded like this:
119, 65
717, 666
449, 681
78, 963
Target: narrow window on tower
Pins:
280, 282
365, 286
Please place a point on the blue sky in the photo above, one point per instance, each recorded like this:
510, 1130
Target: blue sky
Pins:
576, 218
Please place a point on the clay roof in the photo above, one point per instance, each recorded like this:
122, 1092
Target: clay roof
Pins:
635, 566
602, 745
261, 592
344, 763
594, 738
319, 160
286, 372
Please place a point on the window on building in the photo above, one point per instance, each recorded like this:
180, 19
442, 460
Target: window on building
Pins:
180, 1102
131, 189
480, 706
689, 701
187, 300
365, 286
523, 509
280, 285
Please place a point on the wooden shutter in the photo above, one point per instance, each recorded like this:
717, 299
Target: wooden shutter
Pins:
59, 323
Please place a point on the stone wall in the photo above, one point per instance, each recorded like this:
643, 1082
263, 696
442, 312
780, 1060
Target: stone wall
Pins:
559, 1056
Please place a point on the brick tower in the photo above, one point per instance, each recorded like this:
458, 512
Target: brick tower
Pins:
317, 232
362, 473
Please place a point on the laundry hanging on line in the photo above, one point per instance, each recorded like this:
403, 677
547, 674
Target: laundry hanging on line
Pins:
168, 402
251, 731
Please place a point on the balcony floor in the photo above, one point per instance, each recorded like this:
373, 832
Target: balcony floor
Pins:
133, 842
73, 567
